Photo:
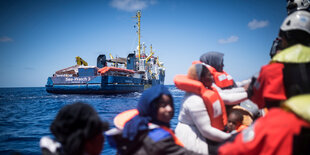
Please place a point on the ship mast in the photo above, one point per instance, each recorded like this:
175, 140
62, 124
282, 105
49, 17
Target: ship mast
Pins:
138, 15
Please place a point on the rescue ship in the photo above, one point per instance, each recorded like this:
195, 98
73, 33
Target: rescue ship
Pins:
133, 73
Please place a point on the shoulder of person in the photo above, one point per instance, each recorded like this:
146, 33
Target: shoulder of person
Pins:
271, 68
191, 97
49, 146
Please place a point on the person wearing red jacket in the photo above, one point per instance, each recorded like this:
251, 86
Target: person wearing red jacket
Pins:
288, 72
286, 127
283, 131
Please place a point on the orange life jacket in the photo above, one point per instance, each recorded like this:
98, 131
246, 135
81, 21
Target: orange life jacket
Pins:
241, 127
213, 102
221, 79
121, 119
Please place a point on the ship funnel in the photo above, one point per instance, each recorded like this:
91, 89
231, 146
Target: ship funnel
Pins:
101, 61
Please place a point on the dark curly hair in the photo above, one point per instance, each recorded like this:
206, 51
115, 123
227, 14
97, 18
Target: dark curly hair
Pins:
74, 124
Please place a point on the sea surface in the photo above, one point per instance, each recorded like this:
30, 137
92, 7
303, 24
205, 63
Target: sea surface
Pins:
26, 114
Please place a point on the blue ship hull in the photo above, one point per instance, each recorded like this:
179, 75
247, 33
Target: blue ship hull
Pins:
98, 84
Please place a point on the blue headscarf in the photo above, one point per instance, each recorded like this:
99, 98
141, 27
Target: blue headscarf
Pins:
214, 59
147, 112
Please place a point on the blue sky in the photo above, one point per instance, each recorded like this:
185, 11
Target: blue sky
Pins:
40, 37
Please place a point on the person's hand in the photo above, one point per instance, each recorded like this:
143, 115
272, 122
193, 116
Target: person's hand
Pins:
250, 86
246, 86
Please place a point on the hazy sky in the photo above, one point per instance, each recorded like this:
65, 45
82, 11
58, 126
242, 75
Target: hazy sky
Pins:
40, 37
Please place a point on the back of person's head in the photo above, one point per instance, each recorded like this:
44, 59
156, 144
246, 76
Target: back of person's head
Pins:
214, 59
74, 125
296, 29
295, 5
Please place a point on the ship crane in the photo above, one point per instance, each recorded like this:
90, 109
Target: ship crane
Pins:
151, 54
80, 61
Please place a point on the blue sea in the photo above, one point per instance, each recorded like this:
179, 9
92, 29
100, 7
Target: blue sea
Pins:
26, 114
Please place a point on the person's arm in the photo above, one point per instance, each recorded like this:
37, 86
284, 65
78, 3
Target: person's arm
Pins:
232, 97
243, 83
160, 141
199, 115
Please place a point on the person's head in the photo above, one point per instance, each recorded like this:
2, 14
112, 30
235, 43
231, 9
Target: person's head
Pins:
79, 129
157, 103
251, 108
235, 119
200, 73
249, 111
214, 59
294, 5
155, 106
165, 109
295, 29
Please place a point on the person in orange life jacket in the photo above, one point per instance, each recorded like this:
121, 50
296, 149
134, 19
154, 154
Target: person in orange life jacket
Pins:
145, 130
202, 115
233, 95
230, 92
287, 66
216, 63
77, 129
283, 131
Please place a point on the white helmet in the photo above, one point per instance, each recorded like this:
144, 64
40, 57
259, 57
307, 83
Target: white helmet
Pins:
294, 5
298, 20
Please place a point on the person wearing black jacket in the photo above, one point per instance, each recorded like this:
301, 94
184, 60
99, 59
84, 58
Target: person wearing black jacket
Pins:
146, 130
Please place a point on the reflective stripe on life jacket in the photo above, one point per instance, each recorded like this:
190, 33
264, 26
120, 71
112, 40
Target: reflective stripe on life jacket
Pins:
213, 102
221, 79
